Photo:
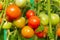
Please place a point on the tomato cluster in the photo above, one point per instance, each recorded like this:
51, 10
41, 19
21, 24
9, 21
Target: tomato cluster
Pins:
30, 24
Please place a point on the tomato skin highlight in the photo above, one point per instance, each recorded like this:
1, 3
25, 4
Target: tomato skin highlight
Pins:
34, 22
27, 32
30, 13
13, 11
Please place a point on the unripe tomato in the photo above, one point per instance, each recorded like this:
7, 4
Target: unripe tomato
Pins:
27, 32
7, 25
13, 12
30, 13
44, 19
28, 1
20, 3
34, 22
19, 23
54, 19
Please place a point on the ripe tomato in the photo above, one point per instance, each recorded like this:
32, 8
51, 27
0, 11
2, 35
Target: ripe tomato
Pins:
58, 32
41, 34
20, 3
44, 19
30, 13
7, 25
13, 12
27, 32
1, 6
34, 22
54, 19
19, 23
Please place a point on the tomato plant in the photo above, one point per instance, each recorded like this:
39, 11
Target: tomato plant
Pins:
30, 13
13, 12
34, 22
19, 23
27, 32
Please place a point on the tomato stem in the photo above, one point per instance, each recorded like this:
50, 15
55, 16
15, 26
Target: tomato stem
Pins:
49, 14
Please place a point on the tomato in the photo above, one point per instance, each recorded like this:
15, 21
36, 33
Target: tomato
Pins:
0, 20
27, 32
13, 12
30, 13
1, 6
20, 3
54, 19
41, 34
7, 25
58, 32
34, 22
28, 1
44, 18
19, 23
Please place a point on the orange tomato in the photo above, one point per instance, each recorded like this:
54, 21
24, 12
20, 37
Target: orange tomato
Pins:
27, 32
58, 32
0, 20
1, 6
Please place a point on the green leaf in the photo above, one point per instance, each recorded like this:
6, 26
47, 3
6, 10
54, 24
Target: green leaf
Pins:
40, 28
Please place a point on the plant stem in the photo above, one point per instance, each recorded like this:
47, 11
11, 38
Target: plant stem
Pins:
49, 14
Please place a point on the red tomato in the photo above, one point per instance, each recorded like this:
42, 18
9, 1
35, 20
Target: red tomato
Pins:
30, 13
34, 22
41, 34
13, 11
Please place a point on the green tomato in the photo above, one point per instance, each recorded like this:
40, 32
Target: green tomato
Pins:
43, 18
20, 3
19, 23
54, 19
57, 1
7, 25
28, 1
